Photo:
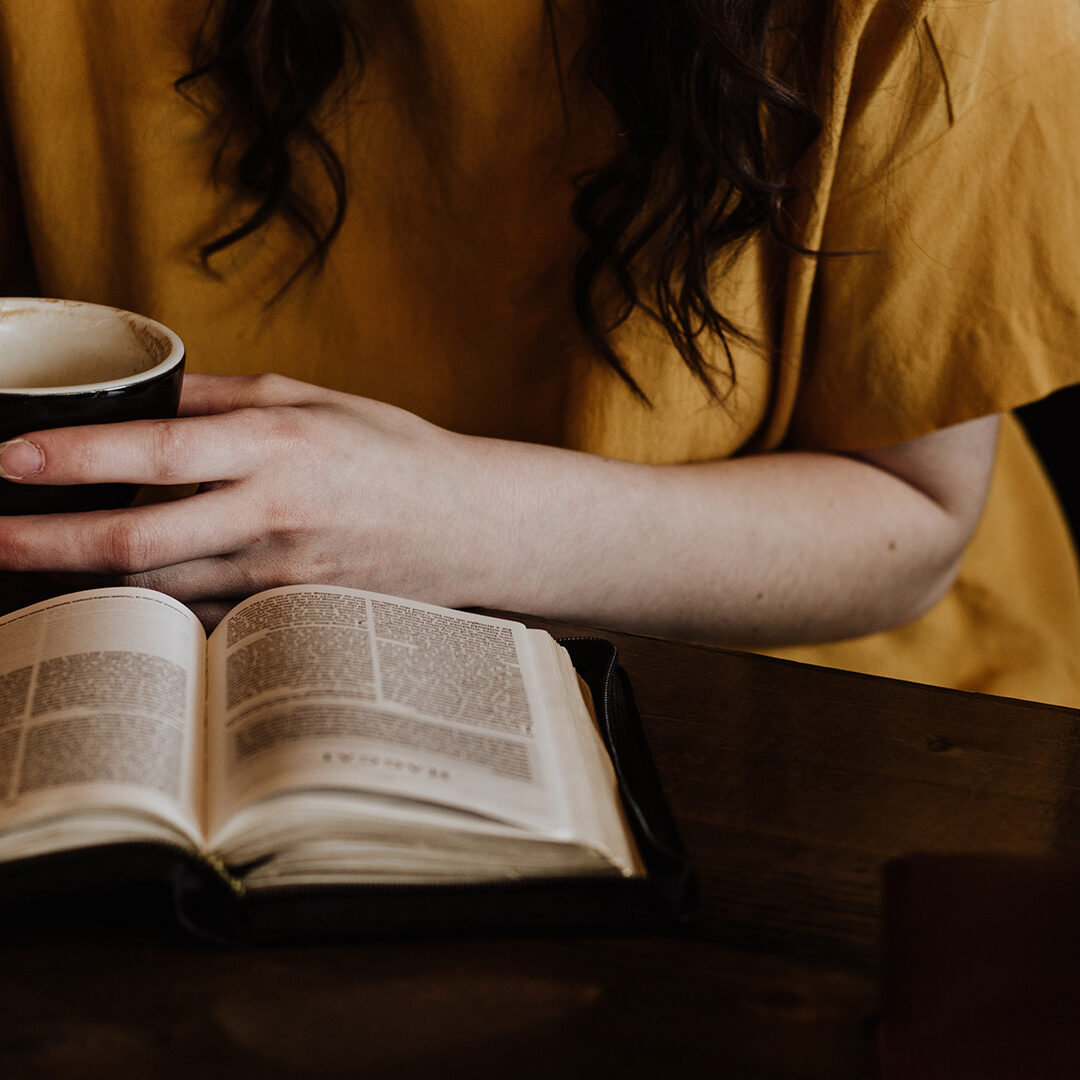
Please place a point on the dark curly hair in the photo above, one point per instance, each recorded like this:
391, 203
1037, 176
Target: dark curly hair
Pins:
710, 132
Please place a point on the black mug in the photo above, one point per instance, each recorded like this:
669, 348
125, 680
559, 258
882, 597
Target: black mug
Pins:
65, 363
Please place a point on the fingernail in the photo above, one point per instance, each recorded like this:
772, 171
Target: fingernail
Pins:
20, 459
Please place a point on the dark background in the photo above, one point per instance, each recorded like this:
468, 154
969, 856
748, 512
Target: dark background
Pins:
1053, 425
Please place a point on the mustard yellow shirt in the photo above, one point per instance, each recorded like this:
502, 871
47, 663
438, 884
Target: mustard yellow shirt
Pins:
950, 158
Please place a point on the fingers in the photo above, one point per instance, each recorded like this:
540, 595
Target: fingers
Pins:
225, 578
203, 395
188, 451
130, 541
228, 426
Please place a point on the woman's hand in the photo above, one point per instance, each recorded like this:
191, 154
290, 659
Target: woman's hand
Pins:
298, 484
304, 485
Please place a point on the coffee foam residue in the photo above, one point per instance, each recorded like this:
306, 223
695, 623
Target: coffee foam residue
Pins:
155, 346
47, 344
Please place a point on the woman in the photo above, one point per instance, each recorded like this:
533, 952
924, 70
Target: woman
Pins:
705, 431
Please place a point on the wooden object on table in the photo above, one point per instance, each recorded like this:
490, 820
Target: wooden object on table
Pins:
981, 968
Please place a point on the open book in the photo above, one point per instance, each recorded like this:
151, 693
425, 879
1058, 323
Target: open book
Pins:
318, 736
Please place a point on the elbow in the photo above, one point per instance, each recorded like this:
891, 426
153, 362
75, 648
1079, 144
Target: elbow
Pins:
918, 584
914, 573
925, 594
945, 477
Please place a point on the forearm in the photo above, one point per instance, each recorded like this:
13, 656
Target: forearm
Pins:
775, 548
305, 485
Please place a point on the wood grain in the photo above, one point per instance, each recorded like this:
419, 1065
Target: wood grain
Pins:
792, 786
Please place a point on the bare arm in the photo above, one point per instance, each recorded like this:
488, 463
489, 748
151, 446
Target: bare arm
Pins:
785, 547
315, 486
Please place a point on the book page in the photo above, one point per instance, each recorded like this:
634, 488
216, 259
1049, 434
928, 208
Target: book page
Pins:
590, 782
334, 688
101, 708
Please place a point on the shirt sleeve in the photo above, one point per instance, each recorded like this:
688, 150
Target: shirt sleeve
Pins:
950, 284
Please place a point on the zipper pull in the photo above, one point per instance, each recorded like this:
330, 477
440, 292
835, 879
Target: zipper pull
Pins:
236, 886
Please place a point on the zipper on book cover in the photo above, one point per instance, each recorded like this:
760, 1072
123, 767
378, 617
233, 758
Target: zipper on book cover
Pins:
234, 884
208, 859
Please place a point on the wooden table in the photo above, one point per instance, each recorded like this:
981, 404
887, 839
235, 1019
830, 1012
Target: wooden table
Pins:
792, 786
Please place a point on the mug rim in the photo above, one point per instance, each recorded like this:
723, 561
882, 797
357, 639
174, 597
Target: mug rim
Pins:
175, 354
